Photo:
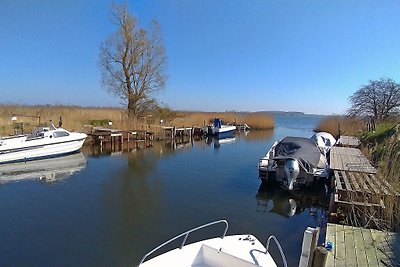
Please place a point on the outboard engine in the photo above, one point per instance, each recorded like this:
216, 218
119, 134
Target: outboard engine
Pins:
291, 170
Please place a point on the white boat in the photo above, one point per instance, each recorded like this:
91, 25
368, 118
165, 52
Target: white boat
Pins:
48, 170
236, 250
324, 141
44, 142
220, 130
294, 162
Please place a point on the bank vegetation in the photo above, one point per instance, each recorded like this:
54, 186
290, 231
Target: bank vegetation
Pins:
77, 118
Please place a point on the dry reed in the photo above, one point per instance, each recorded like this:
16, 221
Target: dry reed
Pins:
346, 125
256, 121
78, 118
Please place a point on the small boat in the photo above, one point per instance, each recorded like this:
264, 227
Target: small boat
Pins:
44, 142
220, 130
294, 162
236, 250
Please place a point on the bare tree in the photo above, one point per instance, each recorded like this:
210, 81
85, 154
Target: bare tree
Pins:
132, 62
379, 99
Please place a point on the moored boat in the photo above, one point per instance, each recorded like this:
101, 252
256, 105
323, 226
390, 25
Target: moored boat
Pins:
220, 130
43, 142
294, 162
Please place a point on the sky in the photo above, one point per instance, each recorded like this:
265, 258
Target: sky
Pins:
242, 55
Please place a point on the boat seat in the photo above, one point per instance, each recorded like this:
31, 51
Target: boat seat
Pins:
211, 257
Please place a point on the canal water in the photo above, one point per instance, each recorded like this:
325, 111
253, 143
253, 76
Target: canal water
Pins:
109, 209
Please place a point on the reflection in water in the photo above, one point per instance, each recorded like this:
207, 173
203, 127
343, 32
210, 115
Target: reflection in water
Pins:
259, 135
217, 142
290, 203
51, 170
134, 200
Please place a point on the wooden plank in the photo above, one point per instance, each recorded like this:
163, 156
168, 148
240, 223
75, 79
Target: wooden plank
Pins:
338, 182
369, 248
359, 177
360, 248
331, 237
382, 249
371, 184
351, 258
340, 252
357, 203
353, 180
346, 181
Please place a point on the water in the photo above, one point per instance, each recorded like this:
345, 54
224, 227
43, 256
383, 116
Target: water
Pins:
109, 210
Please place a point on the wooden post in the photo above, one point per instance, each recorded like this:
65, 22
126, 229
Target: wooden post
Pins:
320, 256
310, 240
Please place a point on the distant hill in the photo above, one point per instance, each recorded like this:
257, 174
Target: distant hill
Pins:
286, 113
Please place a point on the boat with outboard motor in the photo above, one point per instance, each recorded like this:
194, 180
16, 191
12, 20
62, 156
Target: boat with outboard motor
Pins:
43, 142
219, 129
294, 162
236, 250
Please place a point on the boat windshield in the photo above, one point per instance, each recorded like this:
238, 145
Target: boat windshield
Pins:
60, 134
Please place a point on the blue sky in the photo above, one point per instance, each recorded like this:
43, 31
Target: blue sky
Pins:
244, 55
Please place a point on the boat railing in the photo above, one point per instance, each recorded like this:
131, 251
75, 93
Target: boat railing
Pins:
279, 247
186, 234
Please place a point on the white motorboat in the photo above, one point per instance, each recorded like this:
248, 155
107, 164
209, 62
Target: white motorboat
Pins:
48, 170
220, 130
324, 141
236, 250
44, 142
294, 162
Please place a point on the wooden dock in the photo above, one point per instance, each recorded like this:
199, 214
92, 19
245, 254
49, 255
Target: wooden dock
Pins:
348, 141
349, 159
358, 193
114, 137
354, 246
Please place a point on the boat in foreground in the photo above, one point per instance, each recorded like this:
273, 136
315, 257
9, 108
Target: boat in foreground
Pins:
236, 250
44, 142
220, 130
294, 162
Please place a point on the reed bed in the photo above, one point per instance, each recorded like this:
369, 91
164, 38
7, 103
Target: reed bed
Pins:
256, 121
77, 118
73, 117
346, 125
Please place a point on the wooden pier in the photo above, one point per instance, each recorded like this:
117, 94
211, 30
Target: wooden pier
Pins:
360, 201
349, 159
353, 246
102, 136
357, 191
173, 132
348, 141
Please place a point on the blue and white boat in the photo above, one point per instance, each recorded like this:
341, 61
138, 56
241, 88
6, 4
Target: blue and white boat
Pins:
220, 130
44, 142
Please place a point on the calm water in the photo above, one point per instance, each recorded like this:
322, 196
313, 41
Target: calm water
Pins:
109, 210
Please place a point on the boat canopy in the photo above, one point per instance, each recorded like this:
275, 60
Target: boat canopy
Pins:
217, 123
303, 149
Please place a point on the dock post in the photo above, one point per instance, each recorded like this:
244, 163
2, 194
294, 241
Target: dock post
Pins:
310, 240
